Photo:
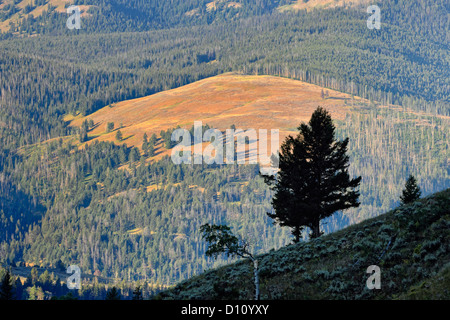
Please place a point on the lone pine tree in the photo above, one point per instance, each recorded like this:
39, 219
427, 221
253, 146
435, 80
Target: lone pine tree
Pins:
119, 135
145, 144
313, 180
109, 127
411, 192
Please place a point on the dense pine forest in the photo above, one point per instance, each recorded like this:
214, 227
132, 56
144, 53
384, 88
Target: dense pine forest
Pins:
121, 217
136, 15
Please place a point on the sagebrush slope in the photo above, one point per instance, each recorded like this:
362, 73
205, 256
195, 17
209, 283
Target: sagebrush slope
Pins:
410, 244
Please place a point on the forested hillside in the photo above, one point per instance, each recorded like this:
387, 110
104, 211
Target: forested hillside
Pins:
49, 77
49, 16
118, 213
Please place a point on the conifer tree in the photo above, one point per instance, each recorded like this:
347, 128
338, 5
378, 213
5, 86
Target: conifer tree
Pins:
153, 139
411, 192
150, 150
145, 144
109, 127
137, 293
113, 294
83, 131
313, 181
119, 136
6, 288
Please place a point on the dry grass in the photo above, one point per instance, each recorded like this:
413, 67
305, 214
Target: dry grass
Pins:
248, 102
321, 4
135, 231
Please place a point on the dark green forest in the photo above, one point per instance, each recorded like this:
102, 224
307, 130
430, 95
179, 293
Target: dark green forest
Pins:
61, 205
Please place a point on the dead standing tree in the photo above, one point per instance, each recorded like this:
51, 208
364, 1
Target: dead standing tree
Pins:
222, 241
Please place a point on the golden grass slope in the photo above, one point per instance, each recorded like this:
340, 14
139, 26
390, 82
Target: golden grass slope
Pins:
322, 4
248, 102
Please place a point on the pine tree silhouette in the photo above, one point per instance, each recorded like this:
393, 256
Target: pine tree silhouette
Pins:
6, 288
137, 293
113, 294
411, 192
313, 181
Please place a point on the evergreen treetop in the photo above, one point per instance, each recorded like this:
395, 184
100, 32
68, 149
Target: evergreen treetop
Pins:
411, 192
113, 294
6, 288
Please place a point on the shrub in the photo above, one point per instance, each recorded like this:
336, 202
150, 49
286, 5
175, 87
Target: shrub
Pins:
331, 249
300, 269
416, 256
307, 277
431, 245
322, 274
337, 272
393, 256
358, 246
399, 243
440, 225
430, 258
337, 287
386, 228
359, 234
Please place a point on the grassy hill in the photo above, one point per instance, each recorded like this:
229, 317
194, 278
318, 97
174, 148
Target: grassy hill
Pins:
258, 102
321, 4
261, 102
247, 101
411, 245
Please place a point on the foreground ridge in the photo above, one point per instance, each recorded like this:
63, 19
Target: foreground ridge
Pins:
409, 244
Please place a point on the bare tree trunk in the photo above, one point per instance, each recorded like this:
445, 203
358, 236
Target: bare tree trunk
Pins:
316, 229
297, 233
255, 270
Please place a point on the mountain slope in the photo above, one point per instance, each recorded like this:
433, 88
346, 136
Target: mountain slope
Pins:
248, 102
410, 244
49, 16
13, 12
